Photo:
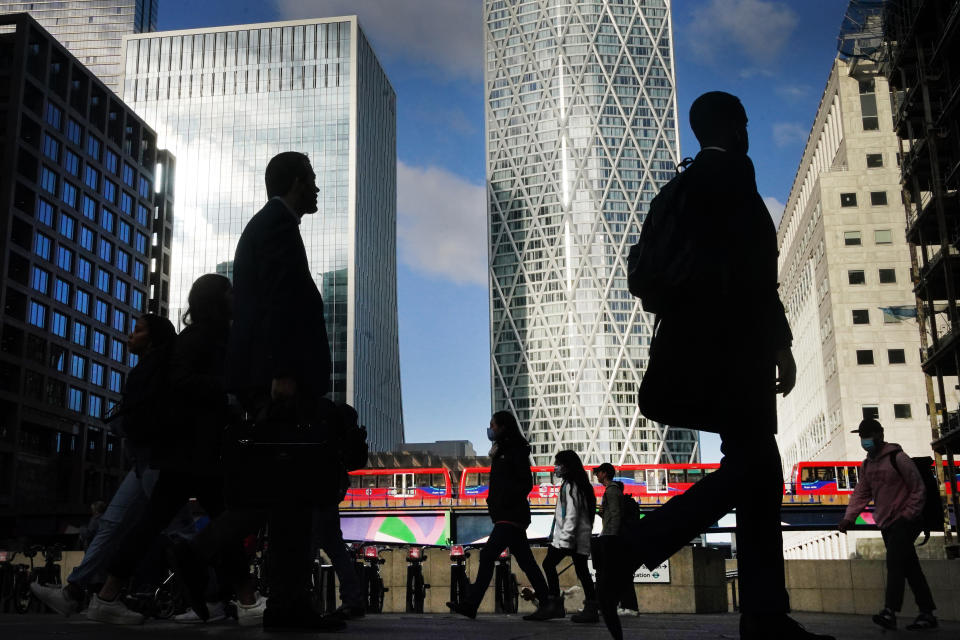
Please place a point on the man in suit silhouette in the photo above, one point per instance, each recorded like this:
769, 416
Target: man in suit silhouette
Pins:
745, 361
279, 356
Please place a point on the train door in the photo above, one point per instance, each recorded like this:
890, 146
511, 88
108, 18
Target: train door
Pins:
656, 480
846, 479
403, 485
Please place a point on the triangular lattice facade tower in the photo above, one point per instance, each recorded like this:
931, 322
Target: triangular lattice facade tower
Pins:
581, 134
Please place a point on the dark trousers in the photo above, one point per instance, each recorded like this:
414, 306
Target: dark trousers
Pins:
506, 535
328, 536
554, 556
749, 480
612, 561
903, 565
172, 491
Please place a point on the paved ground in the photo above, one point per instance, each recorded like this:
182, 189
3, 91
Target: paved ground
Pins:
437, 627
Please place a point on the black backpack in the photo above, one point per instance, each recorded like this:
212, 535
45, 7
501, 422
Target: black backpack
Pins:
661, 261
931, 518
629, 515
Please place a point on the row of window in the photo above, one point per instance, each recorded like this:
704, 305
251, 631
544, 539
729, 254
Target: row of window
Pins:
70, 195
862, 316
877, 199
80, 333
855, 238
900, 412
859, 276
894, 356
110, 284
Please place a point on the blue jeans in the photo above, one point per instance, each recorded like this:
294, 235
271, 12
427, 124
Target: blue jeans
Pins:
125, 509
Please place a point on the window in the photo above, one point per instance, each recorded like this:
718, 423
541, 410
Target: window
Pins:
110, 191
71, 162
144, 188
87, 238
48, 181
141, 243
878, 198
65, 258
101, 311
75, 400
58, 324
126, 203
96, 373
88, 206
120, 290
61, 291
51, 147
888, 276
140, 272
78, 367
44, 212
93, 147
53, 116
864, 356
103, 280
856, 276
136, 300
119, 320
128, 175
80, 333
110, 161
133, 360
40, 280
902, 411
82, 302
95, 406
106, 250
861, 316
874, 160
68, 193
116, 380
851, 238
67, 226
74, 131
143, 216
868, 106
91, 177
870, 412
123, 260
106, 220
848, 199
123, 231
41, 246
84, 270
883, 236
896, 356
116, 349
38, 315
100, 342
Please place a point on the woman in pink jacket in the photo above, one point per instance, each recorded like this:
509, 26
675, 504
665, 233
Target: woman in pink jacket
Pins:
890, 478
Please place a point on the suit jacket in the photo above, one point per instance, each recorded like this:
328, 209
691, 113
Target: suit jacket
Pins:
278, 324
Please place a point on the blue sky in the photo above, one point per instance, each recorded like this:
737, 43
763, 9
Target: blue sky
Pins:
775, 55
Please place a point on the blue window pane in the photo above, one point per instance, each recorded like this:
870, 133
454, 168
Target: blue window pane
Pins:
133, 360
38, 315
140, 272
120, 290
105, 250
54, 116
67, 226
44, 212
143, 215
116, 380
110, 161
93, 147
48, 181
51, 147
141, 243
84, 270
123, 261
58, 324
96, 373
87, 238
41, 246
110, 191
145, 188
100, 342
71, 162
116, 349
106, 220
82, 302
65, 258
61, 291
95, 410
69, 194
119, 320
74, 131
75, 399
126, 203
78, 366
101, 311
40, 280
103, 280
136, 300
123, 231
88, 206
79, 333
91, 177
128, 175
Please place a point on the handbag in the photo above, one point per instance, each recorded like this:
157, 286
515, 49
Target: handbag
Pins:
276, 461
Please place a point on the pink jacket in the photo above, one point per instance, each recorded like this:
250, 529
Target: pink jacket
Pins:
895, 495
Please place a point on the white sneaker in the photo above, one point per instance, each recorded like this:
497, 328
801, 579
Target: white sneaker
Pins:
55, 597
627, 612
249, 615
112, 612
218, 613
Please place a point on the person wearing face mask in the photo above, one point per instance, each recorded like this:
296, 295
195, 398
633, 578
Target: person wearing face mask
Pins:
572, 526
507, 502
889, 477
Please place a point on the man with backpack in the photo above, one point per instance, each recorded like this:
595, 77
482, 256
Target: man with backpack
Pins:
891, 479
706, 265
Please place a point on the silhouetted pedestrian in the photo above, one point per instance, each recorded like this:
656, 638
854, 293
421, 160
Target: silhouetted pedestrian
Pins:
572, 527
511, 481
891, 480
739, 362
612, 555
144, 394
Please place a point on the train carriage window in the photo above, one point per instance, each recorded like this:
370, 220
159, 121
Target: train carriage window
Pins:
403, 486
656, 480
694, 475
628, 474
806, 475
846, 478
677, 476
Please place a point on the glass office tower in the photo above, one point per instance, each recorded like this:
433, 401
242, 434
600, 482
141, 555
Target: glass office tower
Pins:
92, 30
224, 101
581, 134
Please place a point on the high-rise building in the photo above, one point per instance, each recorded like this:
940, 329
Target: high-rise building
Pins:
227, 99
92, 30
581, 134
86, 201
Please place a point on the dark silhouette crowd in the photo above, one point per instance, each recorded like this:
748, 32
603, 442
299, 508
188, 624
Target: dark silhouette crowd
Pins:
254, 355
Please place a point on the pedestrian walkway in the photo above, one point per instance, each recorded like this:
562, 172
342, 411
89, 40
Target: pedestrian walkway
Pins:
449, 627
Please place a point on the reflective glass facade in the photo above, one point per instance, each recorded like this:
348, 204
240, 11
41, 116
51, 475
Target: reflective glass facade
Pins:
581, 134
92, 30
225, 101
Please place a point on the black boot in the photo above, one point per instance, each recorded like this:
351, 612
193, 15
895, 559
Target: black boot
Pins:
589, 613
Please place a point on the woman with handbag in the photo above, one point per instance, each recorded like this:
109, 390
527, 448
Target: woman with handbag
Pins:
510, 483
188, 456
572, 526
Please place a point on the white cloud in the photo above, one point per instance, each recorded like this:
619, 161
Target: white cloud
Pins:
775, 207
446, 34
793, 91
788, 133
441, 224
756, 29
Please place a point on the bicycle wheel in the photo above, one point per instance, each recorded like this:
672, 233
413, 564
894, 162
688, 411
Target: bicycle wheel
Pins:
380, 593
21, 593
513, 596
419, 593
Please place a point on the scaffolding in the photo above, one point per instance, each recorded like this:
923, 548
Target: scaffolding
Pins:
920, 56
